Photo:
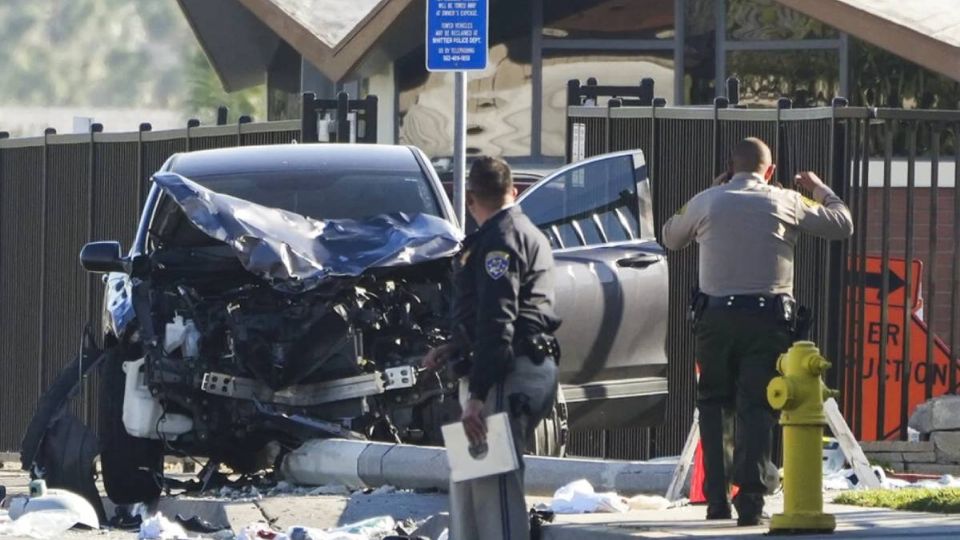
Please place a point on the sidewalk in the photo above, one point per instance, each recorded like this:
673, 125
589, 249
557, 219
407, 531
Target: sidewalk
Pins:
688, 521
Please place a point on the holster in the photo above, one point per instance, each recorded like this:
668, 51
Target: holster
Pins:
698, 303
802, 323
539, 347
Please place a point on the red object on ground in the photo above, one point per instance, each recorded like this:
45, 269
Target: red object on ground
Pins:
697, 477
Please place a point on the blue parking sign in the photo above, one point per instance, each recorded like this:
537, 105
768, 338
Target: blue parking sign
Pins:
457, 33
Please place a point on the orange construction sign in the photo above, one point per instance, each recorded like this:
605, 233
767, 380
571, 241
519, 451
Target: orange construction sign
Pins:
887, 374
896, 276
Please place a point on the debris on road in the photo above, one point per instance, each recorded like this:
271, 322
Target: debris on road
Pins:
368, 529
157, 527
579, 498
48, 513
40, 524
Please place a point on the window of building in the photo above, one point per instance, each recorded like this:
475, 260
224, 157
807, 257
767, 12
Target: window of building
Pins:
625, 68
608, 19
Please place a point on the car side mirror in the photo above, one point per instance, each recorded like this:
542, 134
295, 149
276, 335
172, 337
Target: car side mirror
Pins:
102, 257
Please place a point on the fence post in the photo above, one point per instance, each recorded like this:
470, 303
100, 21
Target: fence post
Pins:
222, 112
780, 144
932, 248
141, 166
646, 92
42, 301
651, 159
191, 123
608, 124
88, 292
733, 91
343, 121
371, 120
718, 103
889, 125
308, 118
573, 100
240, 122
837, 251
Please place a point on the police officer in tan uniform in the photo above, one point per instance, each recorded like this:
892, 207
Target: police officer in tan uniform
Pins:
747, 230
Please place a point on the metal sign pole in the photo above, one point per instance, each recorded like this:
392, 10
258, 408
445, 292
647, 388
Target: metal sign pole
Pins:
460, 147
457, 33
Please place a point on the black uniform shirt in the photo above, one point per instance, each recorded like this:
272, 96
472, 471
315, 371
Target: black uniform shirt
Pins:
504, 293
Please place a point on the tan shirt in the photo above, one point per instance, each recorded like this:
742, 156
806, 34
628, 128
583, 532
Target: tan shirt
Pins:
747, 230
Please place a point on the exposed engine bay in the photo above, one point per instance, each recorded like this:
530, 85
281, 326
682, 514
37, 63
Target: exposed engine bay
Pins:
238, 363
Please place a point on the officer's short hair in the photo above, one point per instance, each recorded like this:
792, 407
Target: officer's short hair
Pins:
490, 179
749, 154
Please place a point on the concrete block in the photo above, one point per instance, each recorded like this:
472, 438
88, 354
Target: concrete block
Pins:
885, 457
947, 444
897, 466
933, 468
896, 446
938, 414
920, 457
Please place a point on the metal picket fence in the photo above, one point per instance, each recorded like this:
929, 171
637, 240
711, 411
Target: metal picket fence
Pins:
856, 288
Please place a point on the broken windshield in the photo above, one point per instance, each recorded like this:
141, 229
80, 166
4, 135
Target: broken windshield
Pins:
331, 194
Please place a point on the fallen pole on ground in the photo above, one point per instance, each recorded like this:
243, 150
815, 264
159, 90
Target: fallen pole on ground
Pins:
359, 464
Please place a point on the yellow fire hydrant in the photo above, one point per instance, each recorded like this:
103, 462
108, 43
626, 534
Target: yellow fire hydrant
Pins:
800, 393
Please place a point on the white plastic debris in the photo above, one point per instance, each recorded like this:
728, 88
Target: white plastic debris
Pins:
445, 535
41, 524
65, 502
369, 529
384, 490
579, 498
833, 458
648, 502
157, 527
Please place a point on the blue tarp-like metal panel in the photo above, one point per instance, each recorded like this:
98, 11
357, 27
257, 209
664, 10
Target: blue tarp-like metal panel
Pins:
296, 253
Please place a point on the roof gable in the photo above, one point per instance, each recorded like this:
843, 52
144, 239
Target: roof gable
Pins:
925, 32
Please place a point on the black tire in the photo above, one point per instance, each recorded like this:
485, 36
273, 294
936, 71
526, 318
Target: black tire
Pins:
550, 437
56, 444
131, 466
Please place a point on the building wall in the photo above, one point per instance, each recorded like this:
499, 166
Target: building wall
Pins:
382, 84
938, 262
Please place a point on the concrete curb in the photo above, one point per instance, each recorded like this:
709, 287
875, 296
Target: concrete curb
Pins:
367, 464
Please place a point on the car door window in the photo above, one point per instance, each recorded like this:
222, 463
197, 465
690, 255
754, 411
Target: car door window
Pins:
592, 204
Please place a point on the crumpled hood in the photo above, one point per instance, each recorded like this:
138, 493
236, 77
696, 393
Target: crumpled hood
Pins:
295, 253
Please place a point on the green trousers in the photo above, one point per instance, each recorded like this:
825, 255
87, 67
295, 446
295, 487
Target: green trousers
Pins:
737, 351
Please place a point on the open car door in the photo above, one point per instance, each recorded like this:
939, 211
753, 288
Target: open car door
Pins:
611, 287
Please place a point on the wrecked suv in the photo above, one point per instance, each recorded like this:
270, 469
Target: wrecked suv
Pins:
277, 294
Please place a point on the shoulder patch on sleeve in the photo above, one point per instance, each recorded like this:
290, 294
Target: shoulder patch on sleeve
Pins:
496, 264
810, 203
681, 210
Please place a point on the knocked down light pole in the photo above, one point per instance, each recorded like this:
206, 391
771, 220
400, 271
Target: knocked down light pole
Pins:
359, 464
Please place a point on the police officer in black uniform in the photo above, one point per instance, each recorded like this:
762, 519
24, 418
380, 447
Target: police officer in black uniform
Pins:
504, 324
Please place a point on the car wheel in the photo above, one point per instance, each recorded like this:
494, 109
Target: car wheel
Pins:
131, 466
550, 436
